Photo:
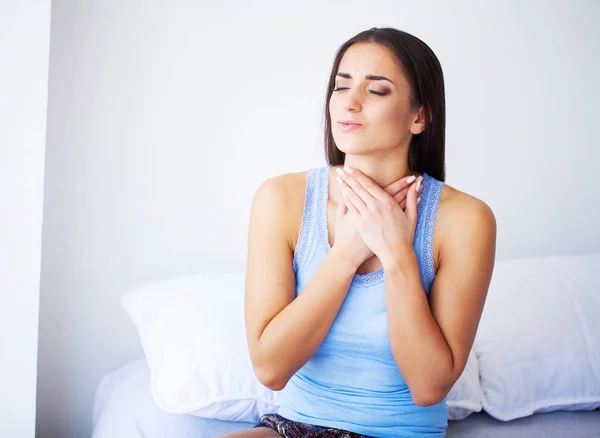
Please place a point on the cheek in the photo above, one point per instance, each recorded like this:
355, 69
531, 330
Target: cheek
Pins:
391, 113
389, 118
334, 107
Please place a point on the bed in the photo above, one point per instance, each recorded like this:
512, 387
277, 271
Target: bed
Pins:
124, 408
532, 372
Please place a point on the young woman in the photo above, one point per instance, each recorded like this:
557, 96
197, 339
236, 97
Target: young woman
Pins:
366, 279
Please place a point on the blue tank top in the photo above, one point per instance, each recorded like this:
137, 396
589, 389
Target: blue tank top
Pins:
352, 381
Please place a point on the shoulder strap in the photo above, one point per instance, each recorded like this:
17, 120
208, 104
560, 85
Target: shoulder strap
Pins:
426, 214
308, 229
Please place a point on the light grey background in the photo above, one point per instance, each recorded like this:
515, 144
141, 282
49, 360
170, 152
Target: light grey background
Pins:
163, 119
24, 47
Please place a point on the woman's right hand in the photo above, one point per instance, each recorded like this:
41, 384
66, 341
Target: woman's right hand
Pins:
348, 239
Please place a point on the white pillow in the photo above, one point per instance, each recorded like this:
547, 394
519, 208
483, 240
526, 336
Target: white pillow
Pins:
466, 396
192, 332
538, 342
193, 335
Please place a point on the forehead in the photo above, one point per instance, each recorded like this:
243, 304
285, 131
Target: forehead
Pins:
367, 58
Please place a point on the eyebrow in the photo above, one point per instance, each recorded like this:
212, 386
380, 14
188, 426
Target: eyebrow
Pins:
368, 77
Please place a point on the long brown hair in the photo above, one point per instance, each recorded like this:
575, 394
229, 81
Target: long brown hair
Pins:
423, 71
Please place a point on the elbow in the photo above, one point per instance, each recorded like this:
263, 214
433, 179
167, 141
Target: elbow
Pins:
428, 398
274, 384
265, 373
270, 379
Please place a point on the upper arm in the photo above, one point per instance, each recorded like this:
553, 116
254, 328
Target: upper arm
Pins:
270, 279
457, 296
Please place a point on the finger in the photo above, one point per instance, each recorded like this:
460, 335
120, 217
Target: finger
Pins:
403, 203
350, 208
390, 189
400, 185
353, 189
411, 202
363, 185
400, 199
354, 202
401, 195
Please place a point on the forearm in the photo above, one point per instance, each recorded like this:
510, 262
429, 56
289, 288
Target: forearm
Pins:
417, 343
295, 334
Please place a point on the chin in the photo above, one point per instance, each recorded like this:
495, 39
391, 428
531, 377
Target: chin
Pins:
355, 147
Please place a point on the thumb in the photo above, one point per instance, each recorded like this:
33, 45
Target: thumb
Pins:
411, 204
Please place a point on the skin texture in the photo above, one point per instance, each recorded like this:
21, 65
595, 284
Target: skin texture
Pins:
369, 226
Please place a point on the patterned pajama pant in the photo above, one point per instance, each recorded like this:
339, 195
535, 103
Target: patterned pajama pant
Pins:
294, 429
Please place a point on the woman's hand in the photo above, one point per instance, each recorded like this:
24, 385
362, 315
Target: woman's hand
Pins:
399, 189
385, 228
347, 238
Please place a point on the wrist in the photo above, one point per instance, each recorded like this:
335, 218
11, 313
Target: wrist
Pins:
344, 260
401, 260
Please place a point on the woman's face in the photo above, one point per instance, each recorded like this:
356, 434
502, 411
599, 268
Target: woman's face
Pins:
372, 91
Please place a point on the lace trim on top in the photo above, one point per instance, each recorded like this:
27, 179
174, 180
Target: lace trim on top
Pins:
307, 219
432, 201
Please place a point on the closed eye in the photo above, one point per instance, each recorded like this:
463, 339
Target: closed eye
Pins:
378, 93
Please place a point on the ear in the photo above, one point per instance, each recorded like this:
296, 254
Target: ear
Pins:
418, 124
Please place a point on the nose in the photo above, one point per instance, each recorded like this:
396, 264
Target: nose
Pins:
353, 100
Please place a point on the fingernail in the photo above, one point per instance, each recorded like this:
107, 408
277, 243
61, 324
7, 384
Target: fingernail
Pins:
347, 169
343, 193
411, 179
339, 171
339, 180
418, 200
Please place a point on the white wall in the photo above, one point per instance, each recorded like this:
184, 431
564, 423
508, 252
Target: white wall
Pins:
24, 46
163, 120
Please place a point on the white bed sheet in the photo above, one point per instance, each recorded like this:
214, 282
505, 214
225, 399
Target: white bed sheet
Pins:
124, 408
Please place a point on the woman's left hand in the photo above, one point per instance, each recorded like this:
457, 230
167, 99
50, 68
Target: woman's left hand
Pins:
384, 227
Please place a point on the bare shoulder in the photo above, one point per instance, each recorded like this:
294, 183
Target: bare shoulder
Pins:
458, 207
280, 200
461, 218
285, 184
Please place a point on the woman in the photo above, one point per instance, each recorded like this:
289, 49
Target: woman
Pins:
366, 279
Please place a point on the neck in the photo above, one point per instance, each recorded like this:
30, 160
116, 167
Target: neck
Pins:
382, 170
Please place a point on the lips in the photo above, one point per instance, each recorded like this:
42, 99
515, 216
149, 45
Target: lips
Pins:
348, 125
349, 122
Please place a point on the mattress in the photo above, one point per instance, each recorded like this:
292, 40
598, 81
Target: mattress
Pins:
124, 408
